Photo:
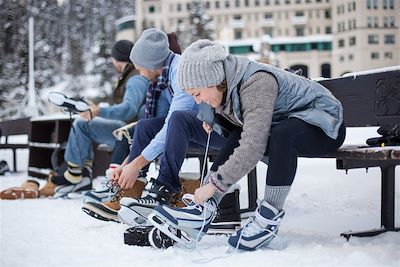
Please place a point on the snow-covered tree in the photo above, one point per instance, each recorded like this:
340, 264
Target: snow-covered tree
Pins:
199, 26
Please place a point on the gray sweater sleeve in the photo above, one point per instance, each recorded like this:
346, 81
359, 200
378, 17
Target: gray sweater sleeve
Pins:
257, 96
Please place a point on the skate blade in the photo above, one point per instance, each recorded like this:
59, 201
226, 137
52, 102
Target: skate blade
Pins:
161, 223
130, 217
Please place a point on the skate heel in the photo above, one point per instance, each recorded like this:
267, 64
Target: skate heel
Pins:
179, 236
130, 217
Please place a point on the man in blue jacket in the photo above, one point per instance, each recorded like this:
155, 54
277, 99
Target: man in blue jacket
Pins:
97, 125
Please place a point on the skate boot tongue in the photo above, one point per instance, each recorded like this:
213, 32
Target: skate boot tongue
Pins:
264, 214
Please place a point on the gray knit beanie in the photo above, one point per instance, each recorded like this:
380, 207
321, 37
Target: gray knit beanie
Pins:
201, 65
150, 50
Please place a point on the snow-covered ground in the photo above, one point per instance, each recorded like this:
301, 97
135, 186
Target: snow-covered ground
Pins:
323, 203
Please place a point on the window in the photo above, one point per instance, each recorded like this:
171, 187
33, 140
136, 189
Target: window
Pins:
326, 70
341, 43
352, 41
237, 17
327, 14
298, 1
287, 2
375, 4
354, 5
341, 58
277, 2
385, 22
152, 9
373, 39
217, 4
374, 55
300, 31
338, 10
388, 4
257, 2
389, 39
388, 55
227, 3
328, 30
238, 34
266, 2
299, 13
376, 22
246, 3
391, 22
351, 57
369, 22
369, 4
178, 7
208, 4
268, 15
188, 6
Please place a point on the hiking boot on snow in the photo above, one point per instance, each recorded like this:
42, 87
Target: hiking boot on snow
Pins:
108, 210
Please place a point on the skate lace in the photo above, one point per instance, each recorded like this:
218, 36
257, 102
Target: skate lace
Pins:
147, 200
113, 187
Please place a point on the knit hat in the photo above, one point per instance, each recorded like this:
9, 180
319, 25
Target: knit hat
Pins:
201, 65
121, 49
150, 50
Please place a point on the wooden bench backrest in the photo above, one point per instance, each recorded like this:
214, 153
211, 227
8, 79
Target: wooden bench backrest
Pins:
368, 100
15, 127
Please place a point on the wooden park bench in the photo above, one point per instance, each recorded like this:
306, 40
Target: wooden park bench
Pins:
10, 128
369, 99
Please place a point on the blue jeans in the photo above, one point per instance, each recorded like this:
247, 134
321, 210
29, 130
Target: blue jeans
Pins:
85, 133
121, 148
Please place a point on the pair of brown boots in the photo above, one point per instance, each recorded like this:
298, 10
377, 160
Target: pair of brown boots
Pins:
28, 190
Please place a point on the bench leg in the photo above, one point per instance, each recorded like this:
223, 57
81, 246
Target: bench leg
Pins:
14, 160
387, 205
252, 193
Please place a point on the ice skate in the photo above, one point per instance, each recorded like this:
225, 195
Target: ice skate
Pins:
192, 221
134, 211
259, 230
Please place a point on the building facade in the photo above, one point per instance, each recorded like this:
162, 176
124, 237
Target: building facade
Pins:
326, 38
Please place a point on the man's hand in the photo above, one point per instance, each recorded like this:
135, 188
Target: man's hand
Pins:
115, 174
128, 176
203, 193
94, 111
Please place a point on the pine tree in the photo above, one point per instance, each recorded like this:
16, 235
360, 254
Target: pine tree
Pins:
200, 26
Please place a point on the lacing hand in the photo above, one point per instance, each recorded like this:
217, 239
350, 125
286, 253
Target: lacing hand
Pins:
203, 193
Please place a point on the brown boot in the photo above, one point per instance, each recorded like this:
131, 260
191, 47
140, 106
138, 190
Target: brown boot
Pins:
29, 189
108, 211
189, 185
49, 187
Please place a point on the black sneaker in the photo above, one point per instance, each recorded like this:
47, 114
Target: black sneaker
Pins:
227, 219
4, 167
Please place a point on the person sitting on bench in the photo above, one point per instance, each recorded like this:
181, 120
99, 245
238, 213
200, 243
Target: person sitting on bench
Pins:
283, 116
